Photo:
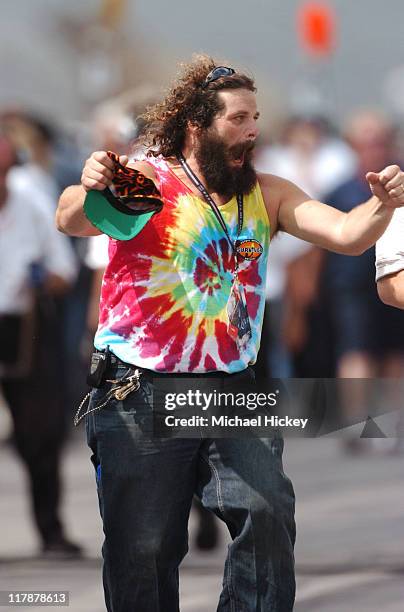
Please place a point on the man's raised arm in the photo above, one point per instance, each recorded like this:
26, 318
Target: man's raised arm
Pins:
347, 233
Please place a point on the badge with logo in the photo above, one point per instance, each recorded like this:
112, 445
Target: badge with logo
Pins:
248, 249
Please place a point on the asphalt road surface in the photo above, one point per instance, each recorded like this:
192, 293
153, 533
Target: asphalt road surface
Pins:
350, 547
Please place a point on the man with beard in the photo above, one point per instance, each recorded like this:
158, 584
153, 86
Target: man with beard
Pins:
185, 295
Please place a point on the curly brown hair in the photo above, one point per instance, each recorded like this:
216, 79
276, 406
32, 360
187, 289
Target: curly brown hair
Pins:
188, 100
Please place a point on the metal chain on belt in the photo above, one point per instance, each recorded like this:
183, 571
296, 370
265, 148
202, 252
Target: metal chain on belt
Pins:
124, 386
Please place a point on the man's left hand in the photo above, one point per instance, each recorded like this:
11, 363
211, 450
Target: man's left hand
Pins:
388, 186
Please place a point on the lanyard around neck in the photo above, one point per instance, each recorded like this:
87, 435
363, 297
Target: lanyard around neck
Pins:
194, 179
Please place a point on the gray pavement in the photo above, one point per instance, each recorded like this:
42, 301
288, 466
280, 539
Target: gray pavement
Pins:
349, 553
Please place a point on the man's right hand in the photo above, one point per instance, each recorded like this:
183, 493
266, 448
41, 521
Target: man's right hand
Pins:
98, 171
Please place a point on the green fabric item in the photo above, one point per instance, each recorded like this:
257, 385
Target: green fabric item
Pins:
116, 224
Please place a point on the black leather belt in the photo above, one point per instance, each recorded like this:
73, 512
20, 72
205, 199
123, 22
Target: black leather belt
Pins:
114, 361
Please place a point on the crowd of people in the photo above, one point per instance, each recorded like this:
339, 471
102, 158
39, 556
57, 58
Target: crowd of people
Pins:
323, 316
332, 322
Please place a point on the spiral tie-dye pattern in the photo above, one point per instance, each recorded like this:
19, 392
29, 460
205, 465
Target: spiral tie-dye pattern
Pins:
165, 293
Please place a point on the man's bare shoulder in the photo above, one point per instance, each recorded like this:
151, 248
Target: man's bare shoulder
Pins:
280, 189
273, 188
273, 183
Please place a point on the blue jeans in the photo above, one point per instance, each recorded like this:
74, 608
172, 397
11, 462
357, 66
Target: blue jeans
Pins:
145, 488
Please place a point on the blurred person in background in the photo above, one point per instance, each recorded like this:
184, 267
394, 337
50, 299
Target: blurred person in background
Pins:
37, 267
275, 358
49, 161
367, 337
390, 285
310, 155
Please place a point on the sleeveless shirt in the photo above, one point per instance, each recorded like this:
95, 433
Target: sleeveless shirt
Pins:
164, 293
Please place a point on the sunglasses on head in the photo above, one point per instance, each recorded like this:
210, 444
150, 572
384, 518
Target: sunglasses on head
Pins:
217, 73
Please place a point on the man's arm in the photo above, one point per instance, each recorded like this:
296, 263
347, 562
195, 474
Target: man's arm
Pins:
391, 289
97, 174
390, 262
70, 217
347, 233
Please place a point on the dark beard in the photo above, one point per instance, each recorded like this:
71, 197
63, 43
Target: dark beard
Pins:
213, 158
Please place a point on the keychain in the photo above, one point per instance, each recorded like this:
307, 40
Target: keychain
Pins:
123, 386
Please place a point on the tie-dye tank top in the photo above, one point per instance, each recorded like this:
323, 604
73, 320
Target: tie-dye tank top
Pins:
165, 292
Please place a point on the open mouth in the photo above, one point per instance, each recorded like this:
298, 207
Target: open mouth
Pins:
240, 153
239, 161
